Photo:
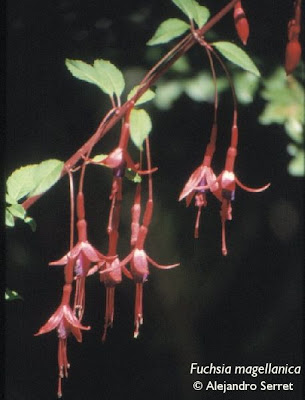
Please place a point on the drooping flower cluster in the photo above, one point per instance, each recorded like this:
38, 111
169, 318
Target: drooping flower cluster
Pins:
83, 259
203, 180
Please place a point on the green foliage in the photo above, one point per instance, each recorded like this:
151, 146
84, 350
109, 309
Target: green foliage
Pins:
140, 126
201, 14
193, 11
140, 122
198, 88
11, 295
27, 181
168, 30
246, 85
20, 183
167, 92
147, 96
237, 56
201, 87
285, 106
102, 74
174, 27
187, 7
16, 210
99, 157
296, 165
9, 219
45, 175
111, 76
182, 65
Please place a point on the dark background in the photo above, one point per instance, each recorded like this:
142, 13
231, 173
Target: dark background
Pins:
245, 309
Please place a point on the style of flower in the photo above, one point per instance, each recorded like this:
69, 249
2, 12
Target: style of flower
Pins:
65, 322
111, 275
139, 259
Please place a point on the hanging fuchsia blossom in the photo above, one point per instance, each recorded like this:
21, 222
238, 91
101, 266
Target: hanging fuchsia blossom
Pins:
83, 254
138, 258
65, 322
226, 193
201, 181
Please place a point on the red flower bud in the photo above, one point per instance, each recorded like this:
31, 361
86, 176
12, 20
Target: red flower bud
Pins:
241, 23
293, 56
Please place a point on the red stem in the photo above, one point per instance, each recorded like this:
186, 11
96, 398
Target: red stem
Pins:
72, 212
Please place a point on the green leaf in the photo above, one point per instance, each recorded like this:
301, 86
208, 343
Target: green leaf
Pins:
283, 104
46, 174
81, 70
102, 74
147, 96
9, 199
11, 295
201, 87
17, 211
167, 93
246, 85
99, 157
20, 183
202, 15
31, 222
294, 129
168, 30
296, 166
111, 77
140, 126
182, 65
9, 219
237, 56
188, 7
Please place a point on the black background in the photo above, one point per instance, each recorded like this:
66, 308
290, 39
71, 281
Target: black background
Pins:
244, 309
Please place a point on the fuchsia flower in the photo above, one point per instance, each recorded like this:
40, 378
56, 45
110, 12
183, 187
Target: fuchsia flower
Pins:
110, 275
65, 322
82, 255
201, 181
119, 159
223, 188
139, 259
227, 185
82, 251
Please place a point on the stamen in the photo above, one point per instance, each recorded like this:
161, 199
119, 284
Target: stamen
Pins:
109, 314
223, 237
138, 317
196, 232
